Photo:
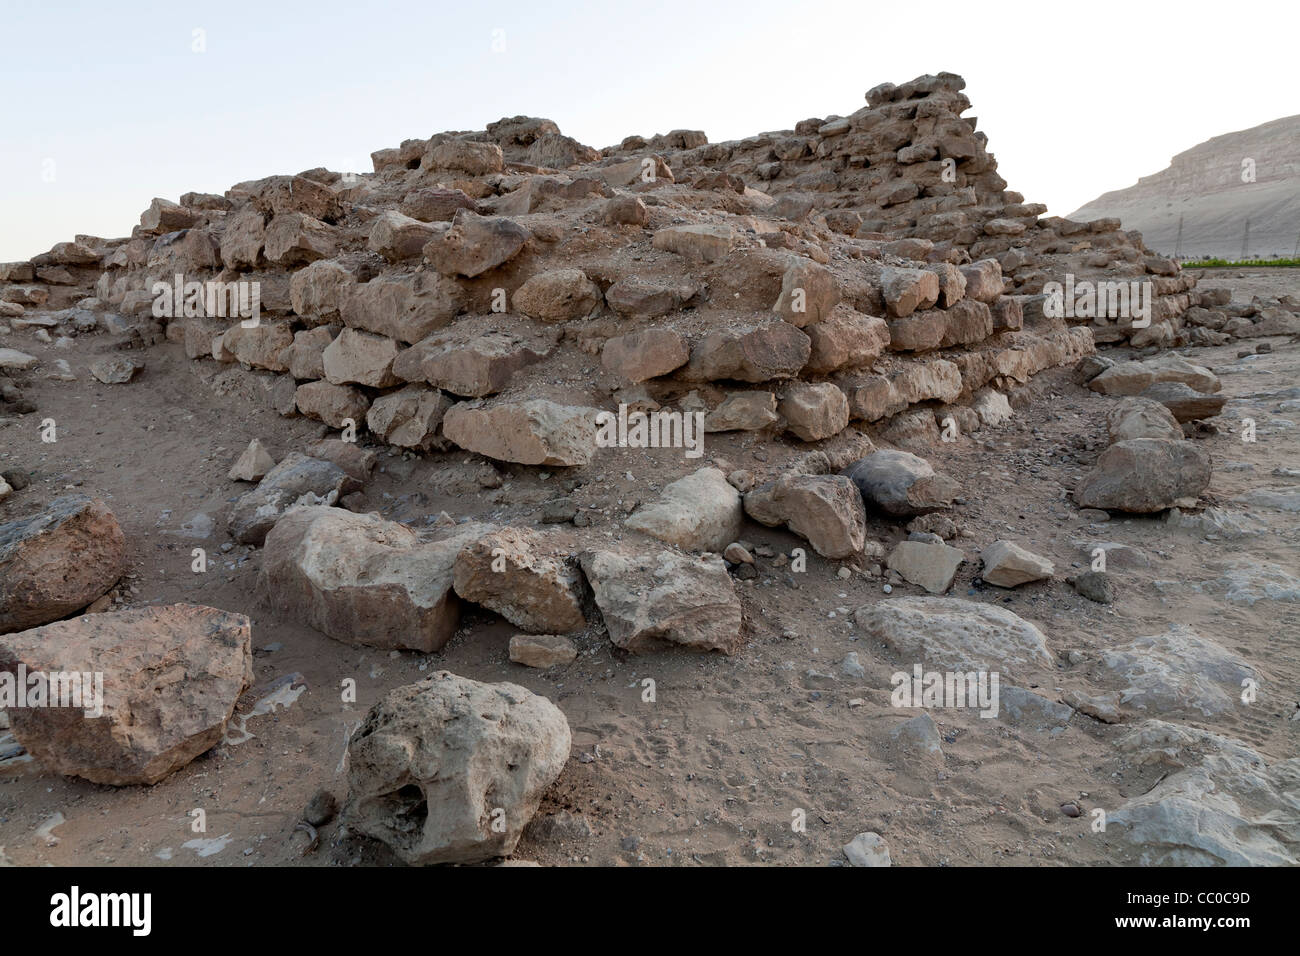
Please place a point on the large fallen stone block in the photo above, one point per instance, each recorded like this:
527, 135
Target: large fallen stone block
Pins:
296, 479
166, 680
1184, 402
649, 600
512, 572
700, 512
451, 770
1134, 378
363, 580
534, 432
57, 561
1142, 475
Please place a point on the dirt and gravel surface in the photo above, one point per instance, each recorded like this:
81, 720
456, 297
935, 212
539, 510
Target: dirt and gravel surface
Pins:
716, 765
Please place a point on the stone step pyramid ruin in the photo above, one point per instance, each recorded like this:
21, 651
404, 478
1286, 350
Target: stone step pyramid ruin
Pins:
850, 269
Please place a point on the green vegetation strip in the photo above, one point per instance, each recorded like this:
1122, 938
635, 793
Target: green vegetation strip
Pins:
1242, 264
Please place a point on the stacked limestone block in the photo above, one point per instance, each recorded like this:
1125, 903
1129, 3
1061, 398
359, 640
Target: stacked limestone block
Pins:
908, 165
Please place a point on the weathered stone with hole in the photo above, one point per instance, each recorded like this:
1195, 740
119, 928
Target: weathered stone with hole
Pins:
451, 770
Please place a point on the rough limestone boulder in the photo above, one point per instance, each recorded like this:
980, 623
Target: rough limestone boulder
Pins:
296, 480
927, 564
814, 411
772, 351
901, 484
534, 432
954, 635
472, 359
1143, 475
1184, 402
451, 770
513, 572
700, 512
643, 355
57, 561
1008, 565
409, 417
1133, 378
908, 290
170, 678
826, 510
475, 244
1141, 418
649, 600
743, 411
698, 243
363, 580
808, 293
558, 296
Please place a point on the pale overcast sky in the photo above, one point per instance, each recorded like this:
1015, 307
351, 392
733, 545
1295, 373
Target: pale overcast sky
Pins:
109, 105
